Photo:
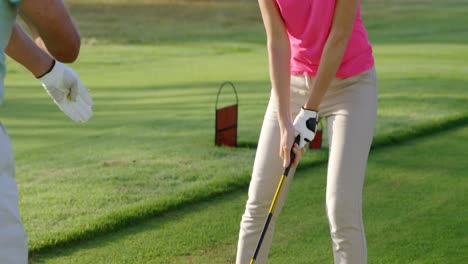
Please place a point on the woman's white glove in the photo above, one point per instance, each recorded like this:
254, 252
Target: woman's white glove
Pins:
68, 92
306, 125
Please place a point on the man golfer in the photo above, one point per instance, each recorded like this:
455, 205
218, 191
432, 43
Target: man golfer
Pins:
58, 40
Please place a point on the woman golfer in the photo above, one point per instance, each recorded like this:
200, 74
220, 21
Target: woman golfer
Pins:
321, 64
58, 36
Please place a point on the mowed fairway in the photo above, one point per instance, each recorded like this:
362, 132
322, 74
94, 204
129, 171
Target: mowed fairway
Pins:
153, 68
412, 211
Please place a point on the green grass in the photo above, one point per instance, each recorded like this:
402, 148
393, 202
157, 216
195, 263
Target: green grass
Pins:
412, 211
153, 68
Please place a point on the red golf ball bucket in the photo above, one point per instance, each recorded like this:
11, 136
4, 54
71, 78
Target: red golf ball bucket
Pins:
316, 143
226, 120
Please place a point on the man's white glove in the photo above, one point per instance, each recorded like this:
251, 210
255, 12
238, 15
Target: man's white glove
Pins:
68, 92
306, 125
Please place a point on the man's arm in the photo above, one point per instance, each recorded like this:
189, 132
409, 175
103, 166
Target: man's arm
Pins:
61, 83
52, 25
54, 31
23, 50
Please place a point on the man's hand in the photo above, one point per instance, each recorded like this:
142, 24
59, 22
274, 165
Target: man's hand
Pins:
68, 92
306, 125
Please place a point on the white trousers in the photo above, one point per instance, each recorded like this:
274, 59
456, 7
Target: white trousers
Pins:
13, 240
350, 107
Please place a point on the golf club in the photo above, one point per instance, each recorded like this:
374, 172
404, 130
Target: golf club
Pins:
273, 203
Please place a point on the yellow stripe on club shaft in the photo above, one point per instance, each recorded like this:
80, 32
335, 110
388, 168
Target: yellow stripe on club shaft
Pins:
277, 193
252, 261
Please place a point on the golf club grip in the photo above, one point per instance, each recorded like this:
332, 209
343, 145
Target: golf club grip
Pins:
292, 156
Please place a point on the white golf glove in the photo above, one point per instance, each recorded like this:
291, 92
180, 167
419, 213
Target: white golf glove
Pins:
306, 125
68, 92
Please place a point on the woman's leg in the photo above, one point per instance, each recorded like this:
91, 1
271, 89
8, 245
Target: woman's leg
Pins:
267, 171
352, 104
13, 240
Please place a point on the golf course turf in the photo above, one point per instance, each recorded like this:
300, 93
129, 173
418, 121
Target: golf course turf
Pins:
146, 162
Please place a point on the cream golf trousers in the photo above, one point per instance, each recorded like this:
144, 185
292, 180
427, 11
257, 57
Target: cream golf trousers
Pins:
13, 240
350, 107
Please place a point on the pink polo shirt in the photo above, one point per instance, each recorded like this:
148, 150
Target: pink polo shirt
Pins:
308, 23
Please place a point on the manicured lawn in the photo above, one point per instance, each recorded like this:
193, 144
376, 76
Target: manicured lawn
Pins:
153, 68
412, 212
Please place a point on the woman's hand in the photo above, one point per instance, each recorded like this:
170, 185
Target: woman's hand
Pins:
306, 125
287, 145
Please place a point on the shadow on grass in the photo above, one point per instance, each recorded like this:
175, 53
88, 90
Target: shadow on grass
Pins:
176, 22
159, 222
132, 234
119, 220
170, 23
111, 111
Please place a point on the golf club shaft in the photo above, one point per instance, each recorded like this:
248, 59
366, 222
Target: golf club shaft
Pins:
273, 203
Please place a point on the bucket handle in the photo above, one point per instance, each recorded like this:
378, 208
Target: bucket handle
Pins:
221, 88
